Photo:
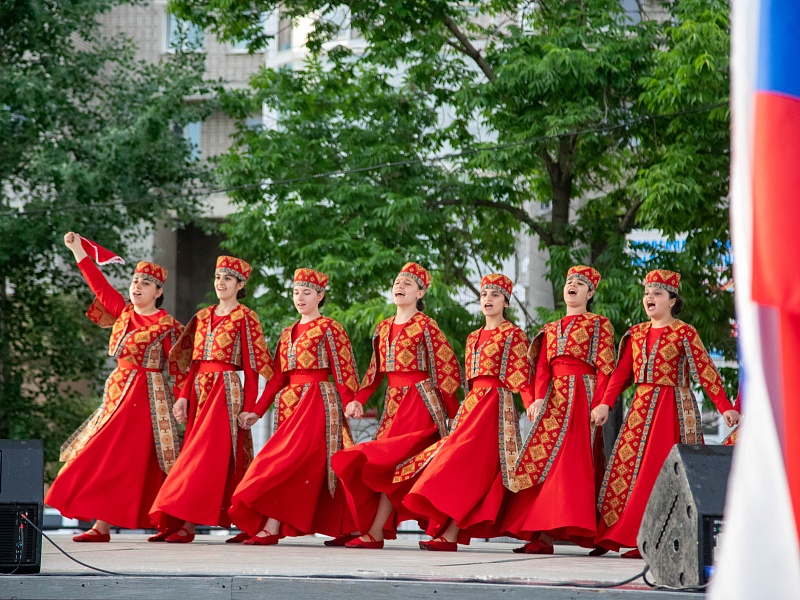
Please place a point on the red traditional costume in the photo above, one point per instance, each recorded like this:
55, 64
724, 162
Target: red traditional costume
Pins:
664, 412
424, 376
117, 460
464, 476
216, 450
291, 479
573, 359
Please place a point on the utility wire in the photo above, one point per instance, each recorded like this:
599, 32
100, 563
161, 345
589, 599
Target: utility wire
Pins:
266, 185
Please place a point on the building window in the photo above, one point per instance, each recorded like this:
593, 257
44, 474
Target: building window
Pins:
183, 35
191, 132
255, 123
285, 26
243, 46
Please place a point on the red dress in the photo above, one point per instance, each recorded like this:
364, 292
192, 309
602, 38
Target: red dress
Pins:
116, 461
424, 376
664, 412
216, 451
574, 358
291, 479
469, 476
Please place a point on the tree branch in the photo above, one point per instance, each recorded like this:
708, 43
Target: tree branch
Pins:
629, 218
468, 49
521, 215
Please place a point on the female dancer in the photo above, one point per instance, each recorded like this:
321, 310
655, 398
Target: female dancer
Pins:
423, 379
218, 341
466, 482
290, 489
116, 461
573, 358
660, 355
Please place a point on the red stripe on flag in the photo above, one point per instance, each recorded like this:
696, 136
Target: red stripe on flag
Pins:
776, 201
790, 375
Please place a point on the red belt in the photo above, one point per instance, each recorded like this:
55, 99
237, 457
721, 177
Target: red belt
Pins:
310, 377
566, 370
487, 382
129, 365
215, 367
407, 379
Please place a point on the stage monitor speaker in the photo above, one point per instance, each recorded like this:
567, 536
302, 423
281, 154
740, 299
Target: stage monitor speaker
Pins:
683, 518
21, 497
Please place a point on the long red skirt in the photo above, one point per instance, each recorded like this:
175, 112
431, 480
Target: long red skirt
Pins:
564, 505
367, 469
199, 486
463, 481
664, 434
116, 476
288, 479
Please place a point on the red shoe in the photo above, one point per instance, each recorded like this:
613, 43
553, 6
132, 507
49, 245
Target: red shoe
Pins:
92, 537
238, 538
162, 536
598, 551
178, 538
264, 540
535, 547
341, 540
372, 544
632, 554
439, 545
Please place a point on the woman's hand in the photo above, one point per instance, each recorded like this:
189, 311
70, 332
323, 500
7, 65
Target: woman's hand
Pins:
600, 415
179, 410
247, 419
534, 409
731, 417
354, 410
73, 241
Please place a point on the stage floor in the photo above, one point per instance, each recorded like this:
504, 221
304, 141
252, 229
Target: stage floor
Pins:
304, 568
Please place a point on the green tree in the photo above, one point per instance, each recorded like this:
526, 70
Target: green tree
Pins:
598, 124
90, 141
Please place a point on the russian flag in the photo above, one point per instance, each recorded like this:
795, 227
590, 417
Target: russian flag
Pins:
759, 556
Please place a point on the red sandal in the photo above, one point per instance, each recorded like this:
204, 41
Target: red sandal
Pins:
535, 547
239, 538
264, 540
372, 544
92, 537
177, 538
341, 540
439, 545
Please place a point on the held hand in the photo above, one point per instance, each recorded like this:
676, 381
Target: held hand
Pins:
534, 409
354, 410
247, 419
179, 410
600, 415
731, 417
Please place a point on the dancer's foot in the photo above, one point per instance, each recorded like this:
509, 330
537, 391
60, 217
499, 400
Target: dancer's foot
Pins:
535, 547
439, 545
632, 554
598, 551
369, 544
93, 535
262, 538
238, 538
341, 540
182, 536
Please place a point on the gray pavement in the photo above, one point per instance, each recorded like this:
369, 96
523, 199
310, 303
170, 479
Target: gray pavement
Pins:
304, 568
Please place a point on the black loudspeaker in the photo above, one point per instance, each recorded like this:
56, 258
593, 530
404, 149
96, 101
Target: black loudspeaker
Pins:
683, 519
21, 497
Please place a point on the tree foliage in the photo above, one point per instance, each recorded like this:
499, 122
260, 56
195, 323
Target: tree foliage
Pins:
91, 141
570, 120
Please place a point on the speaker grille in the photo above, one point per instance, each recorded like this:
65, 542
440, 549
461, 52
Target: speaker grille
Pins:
19, 542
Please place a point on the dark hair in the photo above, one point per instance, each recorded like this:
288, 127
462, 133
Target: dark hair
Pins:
589, 303
420, 302
321, 302
241, 294
159, 300
505, 314
676, 308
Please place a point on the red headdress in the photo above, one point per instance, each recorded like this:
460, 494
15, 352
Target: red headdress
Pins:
666, 280
499, 282
234, 266
310, 278
417, 273
152, 272
589, 275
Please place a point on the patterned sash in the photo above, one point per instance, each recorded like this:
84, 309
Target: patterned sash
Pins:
549, 429
621, 474
165, 430
116, 387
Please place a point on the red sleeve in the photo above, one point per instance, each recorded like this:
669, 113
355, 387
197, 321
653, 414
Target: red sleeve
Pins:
172, 367
543, 375
186, 390
705, 373
365, 391
600, 388
340, 356
620, 378
277, 382
110, 298
250, 383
